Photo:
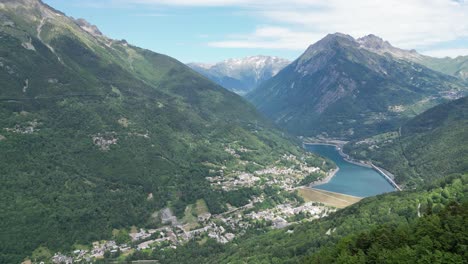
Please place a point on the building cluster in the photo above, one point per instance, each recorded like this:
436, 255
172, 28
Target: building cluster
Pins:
280, 214
104, 141
285, 178
29, 128
59, 258
223, 227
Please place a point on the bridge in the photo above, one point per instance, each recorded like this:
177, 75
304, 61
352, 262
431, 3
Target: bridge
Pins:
390, 180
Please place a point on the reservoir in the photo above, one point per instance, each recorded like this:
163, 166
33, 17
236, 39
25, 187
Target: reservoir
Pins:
351, 179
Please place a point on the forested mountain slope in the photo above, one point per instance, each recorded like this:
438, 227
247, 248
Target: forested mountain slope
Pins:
97, 134
434, 237
432, 144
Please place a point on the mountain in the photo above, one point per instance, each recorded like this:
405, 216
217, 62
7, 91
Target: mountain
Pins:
347, 88
241, 75
428, 146
97, 135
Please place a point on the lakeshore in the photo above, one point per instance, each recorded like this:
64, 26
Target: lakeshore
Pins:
325, 180
338, 144
353, 177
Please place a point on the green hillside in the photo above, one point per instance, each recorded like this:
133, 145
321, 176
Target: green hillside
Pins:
433, 238
96, 134
457, 67
432, 144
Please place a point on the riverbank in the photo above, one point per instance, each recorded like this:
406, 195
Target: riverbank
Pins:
339, 146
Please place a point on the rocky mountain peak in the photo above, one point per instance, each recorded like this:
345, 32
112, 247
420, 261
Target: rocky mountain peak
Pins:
328, 44
31, 10
374, 42
378, 45
333, 39
371, 42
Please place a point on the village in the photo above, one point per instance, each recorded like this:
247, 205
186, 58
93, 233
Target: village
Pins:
224, 227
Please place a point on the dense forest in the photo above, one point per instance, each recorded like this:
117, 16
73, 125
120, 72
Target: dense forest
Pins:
433, 238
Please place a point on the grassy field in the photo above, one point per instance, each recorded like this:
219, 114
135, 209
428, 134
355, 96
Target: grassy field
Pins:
201, 207
192, 211
337, 200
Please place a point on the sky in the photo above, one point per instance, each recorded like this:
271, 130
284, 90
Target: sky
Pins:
213, 30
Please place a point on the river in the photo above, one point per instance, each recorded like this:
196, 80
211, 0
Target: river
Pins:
351, 179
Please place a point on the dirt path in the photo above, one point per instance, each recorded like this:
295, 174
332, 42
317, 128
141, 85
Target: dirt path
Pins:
39, 31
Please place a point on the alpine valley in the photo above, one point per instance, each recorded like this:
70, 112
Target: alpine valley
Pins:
111, 153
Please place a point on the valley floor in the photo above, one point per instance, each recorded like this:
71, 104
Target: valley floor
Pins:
334, 199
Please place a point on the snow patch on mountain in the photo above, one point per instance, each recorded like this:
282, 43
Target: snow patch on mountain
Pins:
241, 75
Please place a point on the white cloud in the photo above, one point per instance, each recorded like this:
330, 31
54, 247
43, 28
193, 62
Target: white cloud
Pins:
409, 24
268, 37
188, 2
294, 24
151, 15
447, 53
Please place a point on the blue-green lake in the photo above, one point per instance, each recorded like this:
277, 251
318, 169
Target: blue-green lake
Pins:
351, 179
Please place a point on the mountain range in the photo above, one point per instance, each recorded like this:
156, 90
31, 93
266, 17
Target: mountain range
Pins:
349, 88
241, 75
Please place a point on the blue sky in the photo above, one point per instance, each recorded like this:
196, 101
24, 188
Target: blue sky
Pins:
214, 30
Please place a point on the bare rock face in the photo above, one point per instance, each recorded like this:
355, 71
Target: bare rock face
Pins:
168, 217
378, 45
88, 27
375, 43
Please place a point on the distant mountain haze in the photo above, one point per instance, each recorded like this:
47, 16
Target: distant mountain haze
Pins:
241, 75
